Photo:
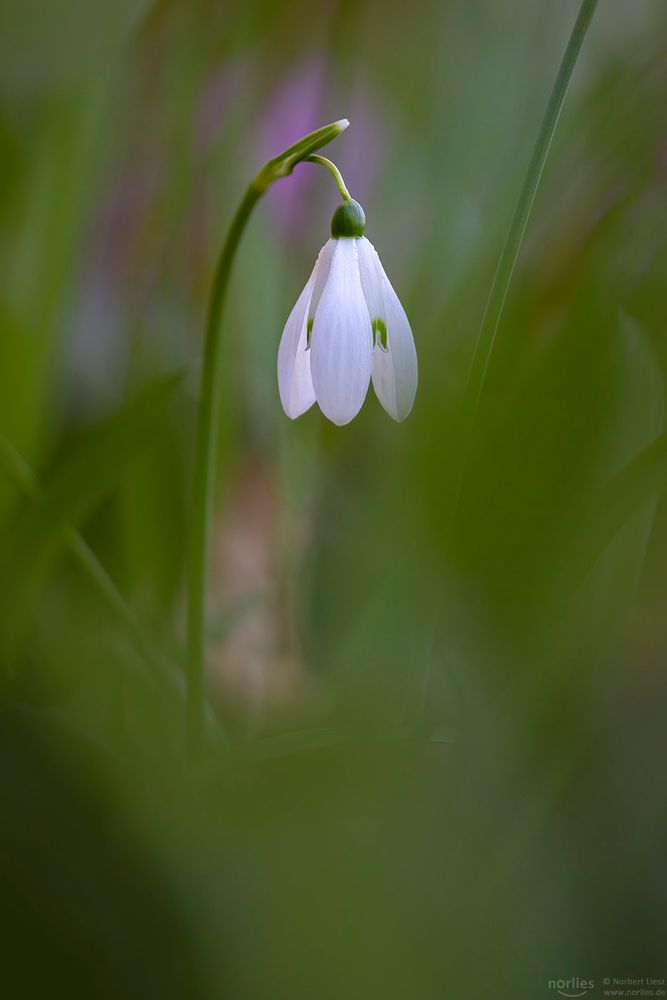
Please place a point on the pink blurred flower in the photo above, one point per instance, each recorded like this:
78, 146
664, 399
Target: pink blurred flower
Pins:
295, 109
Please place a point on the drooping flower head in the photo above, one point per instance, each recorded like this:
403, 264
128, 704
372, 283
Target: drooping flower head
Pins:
347, 328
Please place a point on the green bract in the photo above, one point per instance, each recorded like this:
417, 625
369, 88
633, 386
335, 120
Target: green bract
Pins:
284, 163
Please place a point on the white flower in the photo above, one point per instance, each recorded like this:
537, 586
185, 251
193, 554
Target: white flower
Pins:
347, 327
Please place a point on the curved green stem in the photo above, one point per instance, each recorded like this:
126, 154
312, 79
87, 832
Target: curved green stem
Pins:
208, 420
338, 177
204, 470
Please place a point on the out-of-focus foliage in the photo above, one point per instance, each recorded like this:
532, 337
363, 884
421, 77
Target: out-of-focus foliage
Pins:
436, 732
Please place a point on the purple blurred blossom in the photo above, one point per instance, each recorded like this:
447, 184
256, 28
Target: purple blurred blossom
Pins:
222, 91
295, 109
99, 345
300, 105
365, 146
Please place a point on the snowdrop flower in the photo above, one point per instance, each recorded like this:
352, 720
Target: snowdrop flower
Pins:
347, 328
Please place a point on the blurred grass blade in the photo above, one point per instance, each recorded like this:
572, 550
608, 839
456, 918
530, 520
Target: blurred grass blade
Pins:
510, 252
623, 495
161, 667
636, 465
18, 470
90, 469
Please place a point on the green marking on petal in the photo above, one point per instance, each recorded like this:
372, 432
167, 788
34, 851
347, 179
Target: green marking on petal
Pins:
380, 334
309, 330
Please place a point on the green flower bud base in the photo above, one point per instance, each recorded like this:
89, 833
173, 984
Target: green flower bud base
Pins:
348, 220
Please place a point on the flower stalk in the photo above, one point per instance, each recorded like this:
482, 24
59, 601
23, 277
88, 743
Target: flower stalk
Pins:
337, 176
208, 420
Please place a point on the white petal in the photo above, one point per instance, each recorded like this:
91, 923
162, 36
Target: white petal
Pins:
394, 369
294, 382
322, 269
342, 339
370, 272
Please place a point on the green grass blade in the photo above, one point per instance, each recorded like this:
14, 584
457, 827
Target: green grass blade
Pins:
510, 252
643, 477
160, 666
20, 473
90, 470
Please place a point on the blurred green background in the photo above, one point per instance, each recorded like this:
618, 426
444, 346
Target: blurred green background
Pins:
437, 732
